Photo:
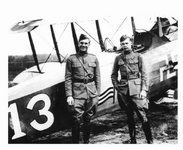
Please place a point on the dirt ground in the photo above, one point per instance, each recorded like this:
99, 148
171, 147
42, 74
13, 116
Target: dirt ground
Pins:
112, 128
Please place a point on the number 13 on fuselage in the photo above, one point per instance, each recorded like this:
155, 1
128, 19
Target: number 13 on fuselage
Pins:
35, 115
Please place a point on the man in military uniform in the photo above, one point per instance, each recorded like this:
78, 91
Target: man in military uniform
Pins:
82, 85
132, 87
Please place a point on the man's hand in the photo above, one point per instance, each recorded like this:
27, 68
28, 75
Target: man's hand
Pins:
143, 94
70, 100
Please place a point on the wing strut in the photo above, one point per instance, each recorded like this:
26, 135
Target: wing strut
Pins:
55, 43
133, 26
100, 35
74, 37
160, 32
33, 51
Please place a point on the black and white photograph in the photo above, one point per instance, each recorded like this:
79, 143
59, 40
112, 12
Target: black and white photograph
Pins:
92, 72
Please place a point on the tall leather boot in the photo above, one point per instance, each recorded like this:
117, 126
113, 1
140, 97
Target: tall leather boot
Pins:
86, 133
147, 131
132, 133
75, 134
131, 127
131, 123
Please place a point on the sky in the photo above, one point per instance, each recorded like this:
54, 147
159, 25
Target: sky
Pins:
109, 26
13, 11
60, 10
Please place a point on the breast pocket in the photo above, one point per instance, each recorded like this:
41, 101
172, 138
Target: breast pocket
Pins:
91, 68
133, 63
77, 69
121, 65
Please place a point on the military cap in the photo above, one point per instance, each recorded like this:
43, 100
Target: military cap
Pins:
83, 37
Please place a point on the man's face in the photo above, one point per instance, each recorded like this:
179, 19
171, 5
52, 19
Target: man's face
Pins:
126, 45
84, 44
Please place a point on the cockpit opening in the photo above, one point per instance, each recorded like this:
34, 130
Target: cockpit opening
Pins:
142, 41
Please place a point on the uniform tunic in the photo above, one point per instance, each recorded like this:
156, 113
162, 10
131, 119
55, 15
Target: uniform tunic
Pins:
85, 94
132, 72
133, 79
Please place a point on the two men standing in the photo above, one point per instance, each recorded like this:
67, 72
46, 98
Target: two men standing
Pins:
82, 84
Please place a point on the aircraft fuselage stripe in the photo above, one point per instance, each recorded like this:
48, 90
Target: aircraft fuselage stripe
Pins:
106, 95
106, 91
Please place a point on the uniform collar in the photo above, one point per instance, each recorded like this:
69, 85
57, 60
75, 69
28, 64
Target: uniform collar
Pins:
127, 52
81, 54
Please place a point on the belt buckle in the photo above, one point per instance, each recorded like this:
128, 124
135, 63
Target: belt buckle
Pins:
85, 81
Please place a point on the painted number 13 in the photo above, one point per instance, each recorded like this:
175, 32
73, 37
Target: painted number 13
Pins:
44, 111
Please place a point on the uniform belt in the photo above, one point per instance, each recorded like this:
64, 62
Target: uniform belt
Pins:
85, 81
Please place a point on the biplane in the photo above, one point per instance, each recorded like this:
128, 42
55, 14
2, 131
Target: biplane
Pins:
36, 98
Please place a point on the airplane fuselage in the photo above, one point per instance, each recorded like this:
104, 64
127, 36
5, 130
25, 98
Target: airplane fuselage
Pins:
37, 104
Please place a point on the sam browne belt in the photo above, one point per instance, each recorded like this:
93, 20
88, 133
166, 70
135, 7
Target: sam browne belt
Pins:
85, 81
